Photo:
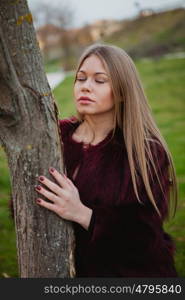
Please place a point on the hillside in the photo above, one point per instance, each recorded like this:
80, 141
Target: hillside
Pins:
153, 35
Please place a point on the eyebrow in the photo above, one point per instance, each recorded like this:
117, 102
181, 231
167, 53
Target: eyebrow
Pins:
97, 73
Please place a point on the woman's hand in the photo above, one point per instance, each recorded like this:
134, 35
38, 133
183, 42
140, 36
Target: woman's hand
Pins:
65, 199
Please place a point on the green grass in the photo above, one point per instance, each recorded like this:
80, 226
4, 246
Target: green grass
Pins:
164, 84
54, 65
145, 36
8, 257
63, 94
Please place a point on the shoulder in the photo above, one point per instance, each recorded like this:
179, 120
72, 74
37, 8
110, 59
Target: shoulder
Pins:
159, 169
157, 164
158, 152
67, 124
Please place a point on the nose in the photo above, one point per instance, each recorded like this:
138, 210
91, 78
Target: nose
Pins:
87, 85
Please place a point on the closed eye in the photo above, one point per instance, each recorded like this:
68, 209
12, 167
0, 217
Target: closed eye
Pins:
96, 80
100, 81
81, 79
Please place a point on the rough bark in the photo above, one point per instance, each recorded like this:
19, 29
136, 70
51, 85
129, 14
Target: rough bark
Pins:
29, 135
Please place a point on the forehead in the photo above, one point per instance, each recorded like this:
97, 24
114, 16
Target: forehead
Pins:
94, 64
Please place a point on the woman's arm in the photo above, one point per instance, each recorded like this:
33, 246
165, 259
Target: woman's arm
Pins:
105, 221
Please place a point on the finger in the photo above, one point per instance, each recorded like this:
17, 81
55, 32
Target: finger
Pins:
69, 181
61, 179
46, 204
47, 194
51, 185
67, 178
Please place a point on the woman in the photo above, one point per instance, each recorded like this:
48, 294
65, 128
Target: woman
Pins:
119, 173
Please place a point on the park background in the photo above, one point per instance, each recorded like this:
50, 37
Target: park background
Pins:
155, 39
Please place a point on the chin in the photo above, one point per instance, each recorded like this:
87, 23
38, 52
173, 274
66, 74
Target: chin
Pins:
85, 111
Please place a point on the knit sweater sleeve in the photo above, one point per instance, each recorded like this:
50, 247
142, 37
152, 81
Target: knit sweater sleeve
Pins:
135, 223
65, 126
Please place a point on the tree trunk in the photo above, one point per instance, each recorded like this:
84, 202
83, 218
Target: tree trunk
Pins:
29, 135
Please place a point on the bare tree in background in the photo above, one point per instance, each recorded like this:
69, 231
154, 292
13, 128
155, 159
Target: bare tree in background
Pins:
30, 138
58, 13
138, 6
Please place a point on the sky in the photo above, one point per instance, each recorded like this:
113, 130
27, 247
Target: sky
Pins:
88, 11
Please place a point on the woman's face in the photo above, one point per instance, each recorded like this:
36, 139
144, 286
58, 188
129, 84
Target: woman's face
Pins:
92, 89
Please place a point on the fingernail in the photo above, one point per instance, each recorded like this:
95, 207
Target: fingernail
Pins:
52, 170
38, 200
41, 178
38, 187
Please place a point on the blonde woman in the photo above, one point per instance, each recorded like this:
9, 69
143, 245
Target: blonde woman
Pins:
120, 174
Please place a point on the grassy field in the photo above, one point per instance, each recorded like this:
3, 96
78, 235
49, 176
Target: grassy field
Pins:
162, 33
164, 84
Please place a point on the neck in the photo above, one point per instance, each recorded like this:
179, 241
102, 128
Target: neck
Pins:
98, 125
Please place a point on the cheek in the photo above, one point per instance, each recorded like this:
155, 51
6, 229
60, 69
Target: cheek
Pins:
109, 96
75, 91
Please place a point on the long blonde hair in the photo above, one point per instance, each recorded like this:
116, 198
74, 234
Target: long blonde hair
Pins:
133, 115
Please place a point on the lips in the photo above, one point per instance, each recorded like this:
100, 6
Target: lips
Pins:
84, 98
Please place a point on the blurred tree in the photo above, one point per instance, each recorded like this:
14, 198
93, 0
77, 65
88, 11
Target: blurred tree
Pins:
30, 138
61, 15
138, 6
57, 13
73, 42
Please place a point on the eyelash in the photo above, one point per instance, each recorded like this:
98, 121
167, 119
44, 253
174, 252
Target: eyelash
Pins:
98, 81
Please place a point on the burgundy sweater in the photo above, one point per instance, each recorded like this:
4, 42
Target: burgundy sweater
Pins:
124, 238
